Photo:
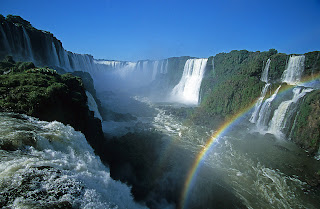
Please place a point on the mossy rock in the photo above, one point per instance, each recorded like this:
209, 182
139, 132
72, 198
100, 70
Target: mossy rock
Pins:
312, 63
306, 131
43, 93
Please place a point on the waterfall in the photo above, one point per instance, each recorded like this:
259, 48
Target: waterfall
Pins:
27, 44
164, 66
93, 105
159, 67
265, 111
257, 106
55, 57
145, 67
5, 39
264, 76
82, 62
56, 169
143, 71
187, 90
155, 70
165, 70
64, 59
18, 42
294, 70
282, 113
108, 65
124, 71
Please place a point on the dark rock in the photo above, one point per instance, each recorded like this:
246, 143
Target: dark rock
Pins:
44, 94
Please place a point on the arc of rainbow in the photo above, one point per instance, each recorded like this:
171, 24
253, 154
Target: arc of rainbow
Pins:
225, 127
214, 138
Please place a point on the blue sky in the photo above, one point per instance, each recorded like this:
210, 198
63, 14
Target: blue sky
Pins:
155, 29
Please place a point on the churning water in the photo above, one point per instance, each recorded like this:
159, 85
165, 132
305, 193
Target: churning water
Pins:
52, 165
262, 171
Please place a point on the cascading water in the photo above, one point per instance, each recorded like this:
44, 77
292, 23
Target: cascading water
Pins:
64, 57
164, 66
82, 62
187, 90
159, 67
294, 70
257, 106
155, 70
264, 76
56, 168
50, 165
265, 111
282, 113
5, 39
27, 44
55, 58
126, 75
93, 105
16, 42
109, 65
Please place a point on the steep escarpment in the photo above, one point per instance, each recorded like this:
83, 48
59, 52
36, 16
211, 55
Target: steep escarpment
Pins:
88, 84
42, 93
268, 81
25, 43
232, 84
236, 82
306, 132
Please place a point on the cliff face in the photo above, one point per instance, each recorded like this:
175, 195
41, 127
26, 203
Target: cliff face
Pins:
232, 81
42, 93
230, 85
306, 132
23, 42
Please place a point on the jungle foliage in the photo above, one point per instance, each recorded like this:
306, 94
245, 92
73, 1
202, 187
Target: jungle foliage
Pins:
233, 83
47, 95
306, 132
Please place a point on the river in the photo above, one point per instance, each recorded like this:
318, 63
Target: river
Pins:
259, 171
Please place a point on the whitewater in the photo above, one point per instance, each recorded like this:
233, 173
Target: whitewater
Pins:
243, 165
52, 165
251, 166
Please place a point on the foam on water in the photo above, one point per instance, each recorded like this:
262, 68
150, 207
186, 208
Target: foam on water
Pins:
59, 169
187, 90
294, 70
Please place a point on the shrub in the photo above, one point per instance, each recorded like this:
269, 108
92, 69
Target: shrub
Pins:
22, 66
18, 20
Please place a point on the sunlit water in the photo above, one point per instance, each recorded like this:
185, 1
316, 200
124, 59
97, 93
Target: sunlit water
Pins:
261, 170
50, 165
53, 165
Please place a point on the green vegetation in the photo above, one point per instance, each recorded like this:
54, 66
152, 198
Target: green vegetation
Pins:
306, 132
39, 39
19, 21
175, 69
43, 93
312, 63
29, 90
233, 84
277, 66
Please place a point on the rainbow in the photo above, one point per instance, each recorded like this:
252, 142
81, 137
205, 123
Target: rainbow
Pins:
222, 130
